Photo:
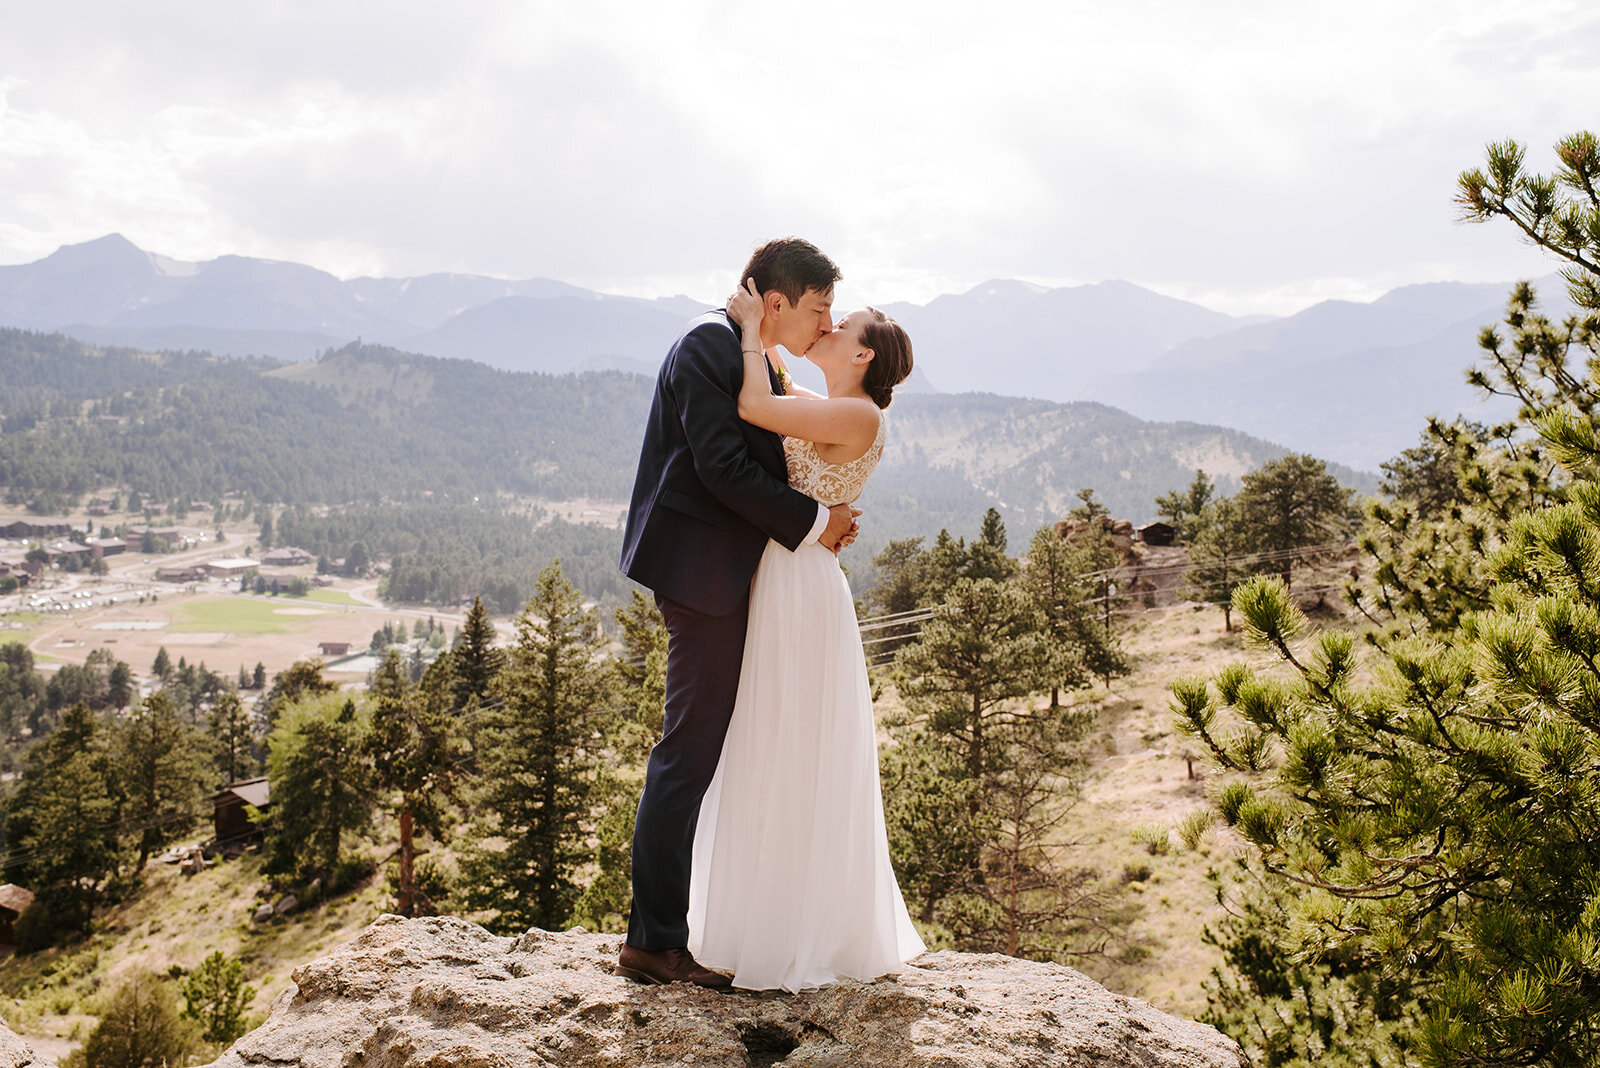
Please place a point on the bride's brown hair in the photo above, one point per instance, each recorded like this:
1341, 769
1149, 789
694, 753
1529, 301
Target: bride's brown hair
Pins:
891, 357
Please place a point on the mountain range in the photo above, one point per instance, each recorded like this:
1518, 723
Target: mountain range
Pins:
1349, 381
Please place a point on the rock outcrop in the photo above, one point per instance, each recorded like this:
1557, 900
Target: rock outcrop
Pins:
16, 1053
439, 992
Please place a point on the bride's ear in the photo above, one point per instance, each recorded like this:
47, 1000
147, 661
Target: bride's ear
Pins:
863, 357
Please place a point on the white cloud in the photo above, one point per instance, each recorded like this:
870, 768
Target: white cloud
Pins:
1240, 150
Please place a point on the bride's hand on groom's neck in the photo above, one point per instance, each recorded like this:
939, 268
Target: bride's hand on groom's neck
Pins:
745, 308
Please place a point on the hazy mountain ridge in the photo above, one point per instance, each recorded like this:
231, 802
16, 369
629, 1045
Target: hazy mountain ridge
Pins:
1029, 458
1349, 381
1020, 339
1346, 381
417, 424
1003, 336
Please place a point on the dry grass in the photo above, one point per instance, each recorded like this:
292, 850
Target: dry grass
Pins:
1141, 782
176, 920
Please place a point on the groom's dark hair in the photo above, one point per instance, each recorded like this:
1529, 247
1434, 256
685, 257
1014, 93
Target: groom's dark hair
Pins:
791, 265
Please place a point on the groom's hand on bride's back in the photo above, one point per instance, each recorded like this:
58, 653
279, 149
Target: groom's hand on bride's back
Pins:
841, 528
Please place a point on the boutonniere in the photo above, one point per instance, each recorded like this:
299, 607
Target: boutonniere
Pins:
783, 379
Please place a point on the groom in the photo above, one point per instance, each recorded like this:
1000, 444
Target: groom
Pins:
710, 491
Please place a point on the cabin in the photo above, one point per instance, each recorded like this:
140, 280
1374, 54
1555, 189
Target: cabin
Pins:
162, 539
334, 648
1157, 533
231, 824
180, 574
107, 546
288, 557
14, 901
63, 549
40, 527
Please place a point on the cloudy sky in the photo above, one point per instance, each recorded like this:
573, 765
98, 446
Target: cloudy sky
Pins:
1253, 156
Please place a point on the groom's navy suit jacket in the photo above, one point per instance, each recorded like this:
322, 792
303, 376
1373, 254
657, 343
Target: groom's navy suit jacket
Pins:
711, 488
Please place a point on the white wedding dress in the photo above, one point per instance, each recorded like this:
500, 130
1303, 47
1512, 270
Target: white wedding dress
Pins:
791, 886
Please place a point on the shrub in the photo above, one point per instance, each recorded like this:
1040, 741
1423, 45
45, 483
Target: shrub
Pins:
140, 1026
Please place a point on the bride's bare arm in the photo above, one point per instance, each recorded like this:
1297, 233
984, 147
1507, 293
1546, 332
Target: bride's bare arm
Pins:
824, 420
803, 414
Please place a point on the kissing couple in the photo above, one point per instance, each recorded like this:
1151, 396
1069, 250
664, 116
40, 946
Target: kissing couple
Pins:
760, 858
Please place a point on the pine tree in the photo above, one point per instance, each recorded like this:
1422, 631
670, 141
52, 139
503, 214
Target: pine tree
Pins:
1425, 543
1059, 578
1292, 506
977, 777
234, 735
901, 572
1341, 1009
1096, 558
216, 996
413, 752
642, 675
1220, 557
162, 668
477, 661
140, 1026
982, 653
936, 823
65, 817
1182, 509
163, 766
1438, 822
619, 781
1433, 818
303, 678
539, 765
321, 776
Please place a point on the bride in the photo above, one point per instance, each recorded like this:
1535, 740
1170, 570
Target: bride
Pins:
791, 885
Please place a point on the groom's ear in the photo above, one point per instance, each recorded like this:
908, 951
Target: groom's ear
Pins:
772, 302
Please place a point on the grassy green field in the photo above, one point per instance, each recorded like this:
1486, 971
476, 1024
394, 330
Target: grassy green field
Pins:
238, 615
29, 629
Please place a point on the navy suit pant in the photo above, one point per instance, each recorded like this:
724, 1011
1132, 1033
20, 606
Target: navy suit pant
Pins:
703, 659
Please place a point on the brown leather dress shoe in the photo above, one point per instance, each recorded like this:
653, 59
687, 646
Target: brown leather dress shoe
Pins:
668, 966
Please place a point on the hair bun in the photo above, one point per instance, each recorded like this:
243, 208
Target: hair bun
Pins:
891, 357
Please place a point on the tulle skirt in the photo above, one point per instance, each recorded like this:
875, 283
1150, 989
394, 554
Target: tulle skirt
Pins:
791, 886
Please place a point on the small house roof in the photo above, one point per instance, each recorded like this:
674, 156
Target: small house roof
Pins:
15, 898
257, 792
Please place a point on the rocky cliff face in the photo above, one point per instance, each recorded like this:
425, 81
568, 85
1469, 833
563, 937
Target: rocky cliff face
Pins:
435, 992
16, 1053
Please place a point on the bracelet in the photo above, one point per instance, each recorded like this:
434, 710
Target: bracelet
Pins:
752, 352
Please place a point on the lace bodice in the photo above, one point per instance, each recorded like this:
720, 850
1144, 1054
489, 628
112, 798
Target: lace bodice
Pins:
832, 483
